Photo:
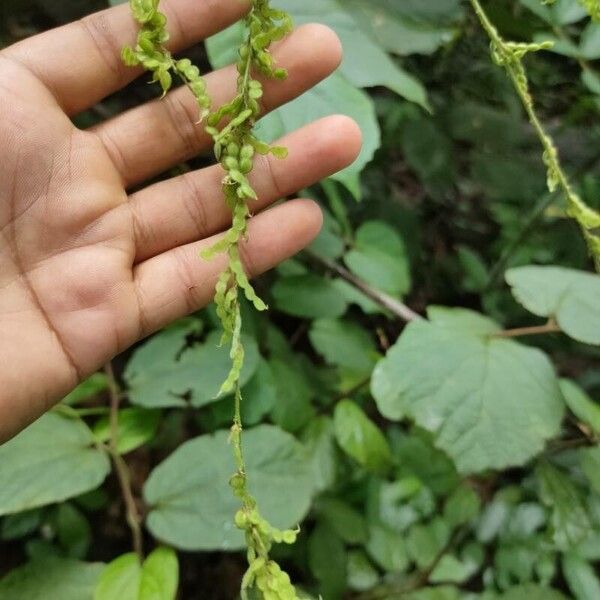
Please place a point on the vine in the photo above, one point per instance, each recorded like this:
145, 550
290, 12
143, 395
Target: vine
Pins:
510, 56
235, 146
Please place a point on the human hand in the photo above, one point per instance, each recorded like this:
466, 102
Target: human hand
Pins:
86, 268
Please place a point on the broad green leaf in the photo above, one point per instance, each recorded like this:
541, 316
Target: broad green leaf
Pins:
490, 402
346, 521
344, 344
570, 520
366, 64
424, 542
327, 560
362, 575
387, 548
73, 530
493, 520
462, 506
120, 579
569, 296
417, 457
308, 296
260, 394
590, 463
89, 388
360, 438
581, 405
459, 569
532, 592
14, 527
329, 242
581, 576
292, 409
319, 440
137, 426
51, 578
162, 372
127, 579
379, 258
400, 504
407, 28
561, 12
192, 505
52, 460
160, 575
335, 95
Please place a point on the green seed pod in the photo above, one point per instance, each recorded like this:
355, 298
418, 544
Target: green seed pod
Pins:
233, 149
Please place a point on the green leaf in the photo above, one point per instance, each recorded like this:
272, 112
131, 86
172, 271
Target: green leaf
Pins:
425, 542
344, 344
365, 63
346, 521
73, 530
51, 578
160, 575
581, 405
137, 426
260, 394
409, 27
362, 575
292, 409
319, 440
379, 258
566, 295
417, 457
192, 505
335, 95
387, 548
327, 559
308, 296
120, 579
19, 525
94, 385
52, 460
127, 579
581, 576
163, 372
532, 592
462, 506
459, 569
490, 402
360, 438
570, 519
590, 463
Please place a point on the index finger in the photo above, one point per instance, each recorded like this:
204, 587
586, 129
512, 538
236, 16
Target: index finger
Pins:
80, 63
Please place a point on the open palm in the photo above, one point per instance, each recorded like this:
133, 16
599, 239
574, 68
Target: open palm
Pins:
88, 268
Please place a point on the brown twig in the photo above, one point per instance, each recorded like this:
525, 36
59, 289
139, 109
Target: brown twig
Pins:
121, 468
397, 308
550, 327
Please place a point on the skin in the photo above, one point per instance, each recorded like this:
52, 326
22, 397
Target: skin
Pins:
88, 268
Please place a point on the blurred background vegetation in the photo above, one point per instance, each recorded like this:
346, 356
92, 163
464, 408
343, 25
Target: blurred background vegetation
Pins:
449, 192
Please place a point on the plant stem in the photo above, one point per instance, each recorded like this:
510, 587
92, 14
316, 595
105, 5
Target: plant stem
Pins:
121, 468
504, 54
397, 308
550, 327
